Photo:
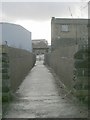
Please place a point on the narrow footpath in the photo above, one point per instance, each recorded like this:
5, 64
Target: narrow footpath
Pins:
37, 97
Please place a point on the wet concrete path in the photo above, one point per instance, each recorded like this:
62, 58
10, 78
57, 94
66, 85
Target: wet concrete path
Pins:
38, 97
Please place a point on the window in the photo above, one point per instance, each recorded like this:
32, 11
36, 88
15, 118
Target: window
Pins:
64, 28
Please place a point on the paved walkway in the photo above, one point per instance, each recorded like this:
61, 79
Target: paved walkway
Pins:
38, 97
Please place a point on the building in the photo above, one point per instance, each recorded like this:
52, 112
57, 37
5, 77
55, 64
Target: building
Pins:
40, 46
66, 32
69, 41
15, 36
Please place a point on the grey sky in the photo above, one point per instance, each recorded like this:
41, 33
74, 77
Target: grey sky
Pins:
36, 16
41, 10
44, 0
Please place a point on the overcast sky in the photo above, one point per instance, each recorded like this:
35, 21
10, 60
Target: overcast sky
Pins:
36, 16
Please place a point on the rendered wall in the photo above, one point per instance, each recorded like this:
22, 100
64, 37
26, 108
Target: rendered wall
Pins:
20, 63
62, 61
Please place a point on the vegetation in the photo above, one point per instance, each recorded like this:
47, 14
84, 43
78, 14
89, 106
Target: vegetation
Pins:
6, 95
81, 74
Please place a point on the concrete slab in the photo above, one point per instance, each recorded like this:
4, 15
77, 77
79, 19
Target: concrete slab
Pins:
38, 97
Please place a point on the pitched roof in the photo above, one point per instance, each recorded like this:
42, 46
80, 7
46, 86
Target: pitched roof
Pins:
39, 44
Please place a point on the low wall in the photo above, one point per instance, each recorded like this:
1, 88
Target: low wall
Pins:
62, 61
20, 63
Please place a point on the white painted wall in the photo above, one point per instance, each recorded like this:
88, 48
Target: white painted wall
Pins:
16, 36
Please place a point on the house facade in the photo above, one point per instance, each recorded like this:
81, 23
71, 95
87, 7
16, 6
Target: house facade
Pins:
40, 46
66, 32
